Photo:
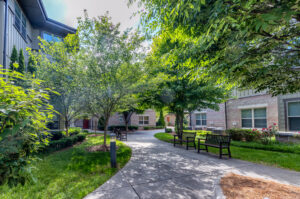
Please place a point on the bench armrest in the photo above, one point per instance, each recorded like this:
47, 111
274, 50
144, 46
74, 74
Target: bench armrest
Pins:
175, 136
201, 139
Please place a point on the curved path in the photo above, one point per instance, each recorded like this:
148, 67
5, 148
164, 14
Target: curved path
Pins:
158, 170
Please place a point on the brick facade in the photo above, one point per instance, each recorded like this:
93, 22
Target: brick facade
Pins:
213, 118
234, 107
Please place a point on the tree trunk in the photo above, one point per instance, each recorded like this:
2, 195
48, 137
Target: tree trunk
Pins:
67, 127
105, 131
179, 121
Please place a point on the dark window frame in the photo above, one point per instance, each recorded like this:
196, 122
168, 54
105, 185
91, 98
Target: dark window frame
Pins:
286, 101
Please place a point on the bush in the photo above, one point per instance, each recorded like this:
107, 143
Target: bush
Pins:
56, 135
85, 131
123, 127
168, 130
74, 131
243, 134
161, 120
64, 142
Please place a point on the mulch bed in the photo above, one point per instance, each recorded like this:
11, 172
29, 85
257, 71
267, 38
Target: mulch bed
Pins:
95, 135
237, 186
99, 148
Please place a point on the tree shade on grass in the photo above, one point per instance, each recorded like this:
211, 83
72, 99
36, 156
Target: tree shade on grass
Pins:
71, 173
271, 158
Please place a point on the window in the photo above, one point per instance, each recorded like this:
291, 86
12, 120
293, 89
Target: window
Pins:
121, 118
20, 21
201, 119
254, 118
49, 38
143, 120
294, 116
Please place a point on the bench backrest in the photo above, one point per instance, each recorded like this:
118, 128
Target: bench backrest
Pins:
188, 134
217, 139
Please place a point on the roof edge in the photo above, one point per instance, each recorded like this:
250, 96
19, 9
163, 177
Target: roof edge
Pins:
54, 22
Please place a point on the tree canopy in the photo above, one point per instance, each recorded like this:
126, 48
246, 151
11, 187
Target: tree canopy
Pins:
250, 44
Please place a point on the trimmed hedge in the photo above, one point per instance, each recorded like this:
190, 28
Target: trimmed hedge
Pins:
64, 142
56, 135
74, 131
243, 134
168, 130
123, 127
153, 127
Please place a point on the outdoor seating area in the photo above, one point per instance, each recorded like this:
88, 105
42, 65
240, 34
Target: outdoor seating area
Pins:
216, 141
120, 135
211, 140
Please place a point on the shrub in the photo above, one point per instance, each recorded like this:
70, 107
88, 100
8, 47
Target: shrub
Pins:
64, 142
147, 128
122, 127
168, 130
236, 134
74, 131
161, 120
243, 134
85, 131
56, 135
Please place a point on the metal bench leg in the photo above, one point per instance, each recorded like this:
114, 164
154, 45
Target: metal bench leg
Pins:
229, 153
195, 145
187, 146
221, 153
206, 148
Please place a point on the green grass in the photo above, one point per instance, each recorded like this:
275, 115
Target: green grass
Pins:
71, 173
272, 158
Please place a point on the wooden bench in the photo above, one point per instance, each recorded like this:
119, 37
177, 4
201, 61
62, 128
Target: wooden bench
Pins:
120, 135
217, 141
185, 138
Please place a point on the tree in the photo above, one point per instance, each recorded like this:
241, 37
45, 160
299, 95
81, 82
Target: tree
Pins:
31, 66
59, 66
110, 58
13, 58
21, 62
169, 85
161, 120
252, 44
23, 117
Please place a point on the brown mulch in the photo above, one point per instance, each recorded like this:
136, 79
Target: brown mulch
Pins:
95, 135
99, 148
242, 187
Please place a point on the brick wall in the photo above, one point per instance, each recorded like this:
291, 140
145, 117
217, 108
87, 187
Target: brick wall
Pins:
213, 118
149, 112
234, 107
172, 119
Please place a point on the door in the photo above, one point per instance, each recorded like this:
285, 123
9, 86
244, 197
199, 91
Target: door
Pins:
86, 124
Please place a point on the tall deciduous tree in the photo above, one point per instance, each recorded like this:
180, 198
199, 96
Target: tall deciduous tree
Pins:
59, 66
110, 58
169, 85
250, 43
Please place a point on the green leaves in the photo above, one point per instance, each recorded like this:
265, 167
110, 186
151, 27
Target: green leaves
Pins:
23, 116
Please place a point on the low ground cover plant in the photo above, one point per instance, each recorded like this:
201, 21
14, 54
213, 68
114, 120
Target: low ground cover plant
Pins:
123, 127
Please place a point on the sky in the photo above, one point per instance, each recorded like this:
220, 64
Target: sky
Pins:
67, 11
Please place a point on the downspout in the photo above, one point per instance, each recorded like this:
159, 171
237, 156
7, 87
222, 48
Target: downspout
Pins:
5, 32
225, 107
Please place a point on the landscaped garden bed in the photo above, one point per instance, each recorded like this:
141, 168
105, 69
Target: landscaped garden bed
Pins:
271, 154
71, 173
237, 186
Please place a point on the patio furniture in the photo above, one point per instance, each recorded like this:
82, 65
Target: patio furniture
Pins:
216, 141
120, 135
187, 137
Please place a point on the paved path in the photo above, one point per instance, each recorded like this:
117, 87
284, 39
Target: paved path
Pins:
158, 170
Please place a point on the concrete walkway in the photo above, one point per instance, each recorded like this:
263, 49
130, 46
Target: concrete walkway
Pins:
158, 170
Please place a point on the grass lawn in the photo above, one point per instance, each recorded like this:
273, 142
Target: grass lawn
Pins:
71, 173
285, 159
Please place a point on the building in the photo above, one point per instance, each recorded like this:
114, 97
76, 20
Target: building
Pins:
21, 22
248, 109
148, 118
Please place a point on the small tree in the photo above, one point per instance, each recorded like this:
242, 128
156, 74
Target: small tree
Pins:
23, 117
60, 69
31, 67
110, 58
161, 120
21, 62
13, 58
